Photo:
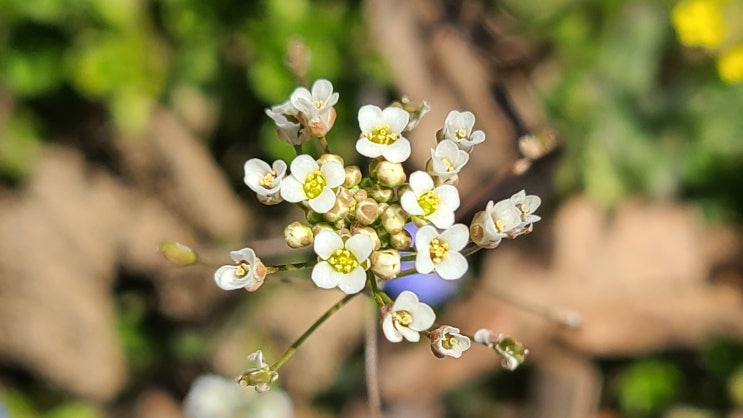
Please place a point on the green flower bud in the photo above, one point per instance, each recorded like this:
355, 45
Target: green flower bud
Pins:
367, 211
394, 218
353, 176
381, 193
313, 217
329, 157
401, 240
320, 227
514, 353
177, 253
389, 174
298, 235
385, 264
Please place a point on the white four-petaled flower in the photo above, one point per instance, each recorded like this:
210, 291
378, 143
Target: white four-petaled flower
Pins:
312, 183
248, 272
342, 264
406, 318
381, 133
527, 205
265, 180
447, 160
497, 221
458, 128
447, 341
287, 125
441, 252
315, 108
429, 203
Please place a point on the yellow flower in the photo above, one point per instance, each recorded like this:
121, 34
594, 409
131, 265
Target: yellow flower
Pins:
700, 22
730, 65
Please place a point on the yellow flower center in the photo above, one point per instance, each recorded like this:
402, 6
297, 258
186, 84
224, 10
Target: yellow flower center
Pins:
449, 341
314, 185
382, 135
267, 180
499, 225
318, 103
343, 261
461, 133
438, 250
428, 201
403, 318
242, 269
449, 165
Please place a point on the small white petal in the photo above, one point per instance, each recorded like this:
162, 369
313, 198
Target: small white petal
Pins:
325, 276
421, 182
397, 152
246, 254
324, 202
326, 243
457, 237
226, 278
406, 300
322, 89
396, 117
370, 117
368, 148
423, 317
302, 166
424, 236
423, 262
292, 190
452, 267
353, 282
361, 246
441, 218
408, 333
448, 197
388, 327
409, 202
333, 173
467, 120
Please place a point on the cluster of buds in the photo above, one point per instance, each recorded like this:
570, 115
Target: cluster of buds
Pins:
355, 221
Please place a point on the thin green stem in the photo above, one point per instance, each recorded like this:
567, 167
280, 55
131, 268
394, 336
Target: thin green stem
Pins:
291, 267
407, 272
298, 149
409, 257
371, 360
324, 317
324, 145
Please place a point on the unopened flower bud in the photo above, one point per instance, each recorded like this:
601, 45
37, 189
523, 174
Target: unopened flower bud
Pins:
260, 376
177, 253
322, 226
389, 174
381, 193
342, 205
394, 218
353, 176
367, 230
385, 264
298, 235
477, 229
514, 353
367, 211
401, 240
329, 157
313, 217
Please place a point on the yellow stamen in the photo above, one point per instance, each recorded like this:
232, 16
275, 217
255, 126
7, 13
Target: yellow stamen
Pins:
267, 180
449, 341
314, 185
343, 261
382, 135
242, 269
461, 133
403, 318
318, 103
438, 250
428, 201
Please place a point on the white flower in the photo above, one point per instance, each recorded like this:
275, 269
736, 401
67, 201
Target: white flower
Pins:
498, 221
381, 133
423, 201
260, 376
447, 341
287, 125
447, 159
212, 396
343, 264
265, 180
527, 205
315, 108
441, 252
248, 272
406, 318
458, 128
308, 181
484, 336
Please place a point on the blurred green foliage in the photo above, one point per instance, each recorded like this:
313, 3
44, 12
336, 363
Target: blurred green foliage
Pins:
646, 387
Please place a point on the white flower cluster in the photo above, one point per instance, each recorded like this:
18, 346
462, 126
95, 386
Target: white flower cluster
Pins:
355, 222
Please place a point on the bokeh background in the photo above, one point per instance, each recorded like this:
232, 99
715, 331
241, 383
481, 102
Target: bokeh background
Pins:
124, 123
